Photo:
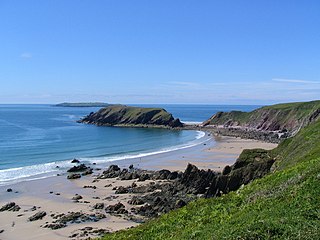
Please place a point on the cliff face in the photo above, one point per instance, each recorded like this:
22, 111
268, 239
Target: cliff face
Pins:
121, 115
290, 117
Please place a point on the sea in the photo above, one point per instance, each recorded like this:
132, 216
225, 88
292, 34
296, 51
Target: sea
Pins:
38, 141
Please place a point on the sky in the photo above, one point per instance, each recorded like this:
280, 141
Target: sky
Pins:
168, 51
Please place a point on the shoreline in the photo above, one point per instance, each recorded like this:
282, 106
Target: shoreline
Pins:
214, 154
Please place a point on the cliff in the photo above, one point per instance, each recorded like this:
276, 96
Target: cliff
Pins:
267, 208
289, 117
121, 115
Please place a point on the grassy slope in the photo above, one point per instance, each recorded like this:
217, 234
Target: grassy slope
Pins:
282, 205
132, 113
282, 113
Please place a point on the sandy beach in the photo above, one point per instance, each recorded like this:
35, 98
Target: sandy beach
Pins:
56, 195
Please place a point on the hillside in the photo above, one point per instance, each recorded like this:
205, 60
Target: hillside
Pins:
282, 205
289, 117
121, 115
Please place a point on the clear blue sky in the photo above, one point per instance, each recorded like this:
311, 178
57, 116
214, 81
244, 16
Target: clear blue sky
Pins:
168, 51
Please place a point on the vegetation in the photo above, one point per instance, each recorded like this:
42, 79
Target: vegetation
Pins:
121, 115
283, 205
288, 116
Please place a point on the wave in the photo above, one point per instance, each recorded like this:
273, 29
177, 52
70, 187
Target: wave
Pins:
27, 173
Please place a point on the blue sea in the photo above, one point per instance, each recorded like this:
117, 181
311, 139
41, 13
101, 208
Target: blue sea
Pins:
41, 140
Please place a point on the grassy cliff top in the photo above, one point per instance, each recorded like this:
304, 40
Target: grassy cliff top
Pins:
288, 116
122, 115
282, 205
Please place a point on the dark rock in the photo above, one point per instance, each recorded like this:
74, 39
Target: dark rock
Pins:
131, 167
55, 226
1, 231
180, 203
79, 168
87, 172
37, 216
195, 180
98, 206
74, 176
144, 177
161, 175
118, 208
77, 197
226, 170
73, 217
75, 161
12, 206
121, 190
136, 201
112, 172
173, 175
9, 190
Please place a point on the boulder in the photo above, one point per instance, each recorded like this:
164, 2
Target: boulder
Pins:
12, 206
79, 168
37, 216
74, 176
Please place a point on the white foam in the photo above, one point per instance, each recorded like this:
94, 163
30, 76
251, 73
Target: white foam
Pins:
13, 175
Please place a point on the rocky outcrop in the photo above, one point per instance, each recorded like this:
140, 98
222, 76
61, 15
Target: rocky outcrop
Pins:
121, 115
12, 206
283, 119
61, 220
37, 216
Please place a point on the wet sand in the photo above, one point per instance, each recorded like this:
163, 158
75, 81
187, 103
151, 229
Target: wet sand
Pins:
209, 154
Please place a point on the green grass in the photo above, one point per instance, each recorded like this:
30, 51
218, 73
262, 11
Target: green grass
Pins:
283, 205
287, 115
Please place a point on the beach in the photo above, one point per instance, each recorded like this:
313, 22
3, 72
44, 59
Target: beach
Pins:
59, 195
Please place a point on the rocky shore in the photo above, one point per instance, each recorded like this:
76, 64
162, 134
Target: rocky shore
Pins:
96, 201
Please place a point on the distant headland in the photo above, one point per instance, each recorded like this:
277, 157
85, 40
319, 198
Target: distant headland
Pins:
82, 104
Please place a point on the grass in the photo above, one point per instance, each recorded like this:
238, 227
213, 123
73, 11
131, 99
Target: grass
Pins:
287, 114
283, 205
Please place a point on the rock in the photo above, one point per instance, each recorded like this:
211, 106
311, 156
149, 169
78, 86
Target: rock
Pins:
118, 208
112, 172
136, 201
77, 197
1, 231
131, 167
12, 206
162, 174
9, 190
37, 216
180, 203
144, 177
73, 217
55, 226
98, 206
79, 168
87, 172
121, 190
226, 170
75, 161
173, 175
74, 176
195, 180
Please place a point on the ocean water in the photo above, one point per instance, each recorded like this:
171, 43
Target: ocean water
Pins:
41, 140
